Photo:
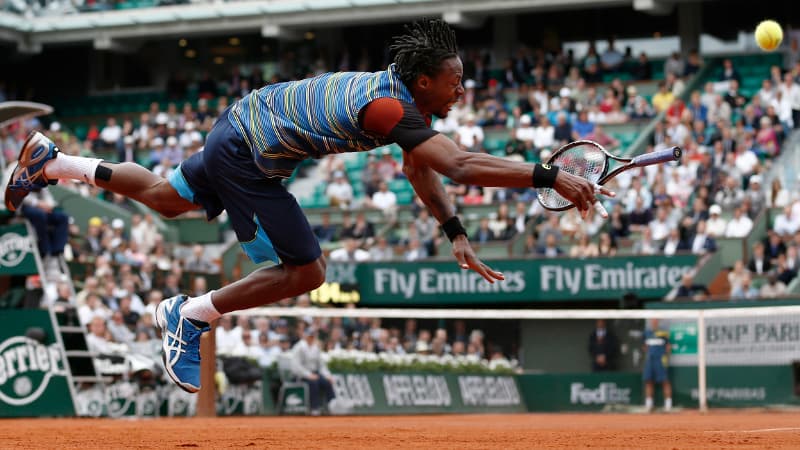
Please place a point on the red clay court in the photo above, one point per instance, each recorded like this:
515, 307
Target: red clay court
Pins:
689, 430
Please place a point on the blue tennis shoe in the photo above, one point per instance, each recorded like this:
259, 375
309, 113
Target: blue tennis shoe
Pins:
29, 173
181, 344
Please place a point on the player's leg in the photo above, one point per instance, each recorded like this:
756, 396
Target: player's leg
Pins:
41, 163
666, 386
270, 226
648, 395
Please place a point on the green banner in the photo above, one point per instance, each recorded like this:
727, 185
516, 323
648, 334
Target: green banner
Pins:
412, 393
582, 391
736, 386
443, 282
16, 251
33, 375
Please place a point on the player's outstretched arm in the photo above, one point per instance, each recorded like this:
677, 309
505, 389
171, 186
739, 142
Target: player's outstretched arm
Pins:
429, 187
442, 155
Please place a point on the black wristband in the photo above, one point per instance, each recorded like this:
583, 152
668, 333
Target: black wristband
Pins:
544, 175
452, 228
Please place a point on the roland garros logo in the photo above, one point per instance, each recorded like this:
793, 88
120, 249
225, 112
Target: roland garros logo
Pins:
26, 367
13, 249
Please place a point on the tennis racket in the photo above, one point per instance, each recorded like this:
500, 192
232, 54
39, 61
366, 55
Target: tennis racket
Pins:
589, 160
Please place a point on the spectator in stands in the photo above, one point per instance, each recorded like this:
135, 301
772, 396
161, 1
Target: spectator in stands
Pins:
325, 231
93, 307
582, 127
730, 196
544, 134
784, 271
773, 287
415, 251
119, 330
734, 97
745, 290
755, 196
584, 248
349, 252
521, 217
469, 136
387, 167
663, 98
111, 134
645, 245
308, 365
759, 263
601, 137
362, 230
499, 223
740, 225
674, 65
790, 89
384, 200
197, 262
228, 337
428, 230
688, 289
786, 224
550, 249
611, 59
484, 233
702, 242
381, 251
773, 246
339, 192
660, 226
737, 275
563, 130
673, 243
729, 72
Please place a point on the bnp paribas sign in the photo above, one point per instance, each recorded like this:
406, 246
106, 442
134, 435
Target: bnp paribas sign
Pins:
16, 251
33, 371
527, 280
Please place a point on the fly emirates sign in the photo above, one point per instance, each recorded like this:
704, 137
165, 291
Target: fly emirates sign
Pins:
431, 283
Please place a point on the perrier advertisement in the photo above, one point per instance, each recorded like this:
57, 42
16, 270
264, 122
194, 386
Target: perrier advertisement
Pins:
16, 251
33, 373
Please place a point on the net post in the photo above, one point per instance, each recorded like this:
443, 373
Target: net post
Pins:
207, 397
701, 362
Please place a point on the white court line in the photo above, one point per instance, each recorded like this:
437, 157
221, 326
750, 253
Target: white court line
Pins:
762, 430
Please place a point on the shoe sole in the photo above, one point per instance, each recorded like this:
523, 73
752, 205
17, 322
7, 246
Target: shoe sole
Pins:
9, 206
161, 322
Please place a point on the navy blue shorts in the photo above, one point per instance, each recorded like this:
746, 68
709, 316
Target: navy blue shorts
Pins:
266, 218
654, 370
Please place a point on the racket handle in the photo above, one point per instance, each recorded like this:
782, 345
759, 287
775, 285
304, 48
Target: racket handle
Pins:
661, 156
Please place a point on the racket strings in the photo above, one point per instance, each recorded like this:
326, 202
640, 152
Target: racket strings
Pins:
585, 161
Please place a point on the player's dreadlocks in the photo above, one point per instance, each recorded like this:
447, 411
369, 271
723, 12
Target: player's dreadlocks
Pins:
423, 48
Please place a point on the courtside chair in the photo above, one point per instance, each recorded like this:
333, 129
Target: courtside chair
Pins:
290, 381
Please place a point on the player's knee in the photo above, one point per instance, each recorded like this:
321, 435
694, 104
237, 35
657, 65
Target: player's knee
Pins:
312, 275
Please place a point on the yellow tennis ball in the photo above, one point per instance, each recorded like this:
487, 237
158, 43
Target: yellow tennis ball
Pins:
769, 35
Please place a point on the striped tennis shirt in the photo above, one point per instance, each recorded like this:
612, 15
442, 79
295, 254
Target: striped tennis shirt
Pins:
285, 123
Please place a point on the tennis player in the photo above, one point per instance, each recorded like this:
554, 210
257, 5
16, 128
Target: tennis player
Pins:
259, 141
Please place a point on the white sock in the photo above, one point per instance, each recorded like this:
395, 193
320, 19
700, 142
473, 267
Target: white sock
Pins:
200, 308
667, 403
72, 167
648, 402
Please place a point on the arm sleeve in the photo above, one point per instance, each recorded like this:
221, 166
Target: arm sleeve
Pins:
398, 121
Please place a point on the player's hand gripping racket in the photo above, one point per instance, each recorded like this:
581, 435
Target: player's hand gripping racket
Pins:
589, 160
